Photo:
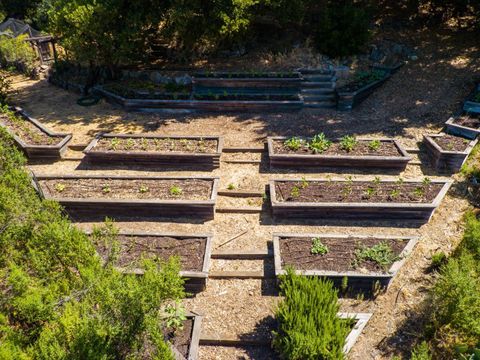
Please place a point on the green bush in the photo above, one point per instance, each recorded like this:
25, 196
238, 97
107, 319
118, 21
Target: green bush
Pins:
308, 325
58, 300
342, 29
17, 52
421, 352
5, 87
455, 302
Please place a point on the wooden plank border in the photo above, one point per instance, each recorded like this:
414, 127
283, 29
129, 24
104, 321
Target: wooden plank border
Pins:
321, 160
355, 278
385, 211
210, 160
152, 105
361, 321
48, 153
125, 208
347, 100
460, 130
444, 160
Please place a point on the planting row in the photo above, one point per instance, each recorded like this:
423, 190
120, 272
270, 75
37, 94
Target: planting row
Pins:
38, 143
127, 196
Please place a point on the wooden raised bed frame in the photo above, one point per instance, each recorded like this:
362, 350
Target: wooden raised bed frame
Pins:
321, 160
40, 153
199, 105
208, 160
460, 130
356, 279
125, 209
361, 211
195, 339
195, 281
361, 321
347, 100
445, 160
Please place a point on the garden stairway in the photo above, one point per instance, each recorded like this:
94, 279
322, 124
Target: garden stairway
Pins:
318, 88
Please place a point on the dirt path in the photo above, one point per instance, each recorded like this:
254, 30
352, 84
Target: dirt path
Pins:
417, 100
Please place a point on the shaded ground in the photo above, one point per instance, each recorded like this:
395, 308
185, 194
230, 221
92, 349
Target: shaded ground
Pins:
416, 100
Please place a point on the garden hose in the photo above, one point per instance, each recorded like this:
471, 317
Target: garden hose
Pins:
88, 100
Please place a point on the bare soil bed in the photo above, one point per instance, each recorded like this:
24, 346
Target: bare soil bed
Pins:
156, 145
190, 251
361, 149
471, 121
346, 192
181, 338
296, 252
191, 189
452, 143
27, 131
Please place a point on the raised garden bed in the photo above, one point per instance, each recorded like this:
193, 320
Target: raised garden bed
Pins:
192, 105
472, 104
357, 199
342, 256
367, 153
361, 320
466, 125
448, 152
248, 79
99, 196
355, 92
194, 253
136, 89
185, 342
34, 139
247, 97
148, 149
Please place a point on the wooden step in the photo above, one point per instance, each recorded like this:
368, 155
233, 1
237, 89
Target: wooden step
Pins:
255, 254
318, 84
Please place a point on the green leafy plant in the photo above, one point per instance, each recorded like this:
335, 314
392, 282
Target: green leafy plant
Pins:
319, 143
59, 187
304, 183
318, 248
395, 193
438, 259
114, 143
231, 186
5, 88
381, 254
175, 190
106, 189
174, 316
374, 145
293, 143
143, 189
421, 352
348, 143
295, 192
308, 325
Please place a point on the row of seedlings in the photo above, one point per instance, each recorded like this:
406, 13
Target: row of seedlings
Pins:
215, 91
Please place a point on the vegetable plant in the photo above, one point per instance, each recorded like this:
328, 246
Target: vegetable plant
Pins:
294, 143
319, 143
318, 248
348, 143
381, 254
143, 189
106, 189
59, 187
374, 145
175, 190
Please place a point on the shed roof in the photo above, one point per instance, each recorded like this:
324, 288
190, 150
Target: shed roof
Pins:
17, 27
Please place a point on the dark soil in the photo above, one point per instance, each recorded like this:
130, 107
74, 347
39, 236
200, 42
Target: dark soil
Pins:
470, 121
341, 257
345, 192
181, 339
356, 85
247, 97
191, 251
386, 148
28, 132
452, 143
191, 189
161, 145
